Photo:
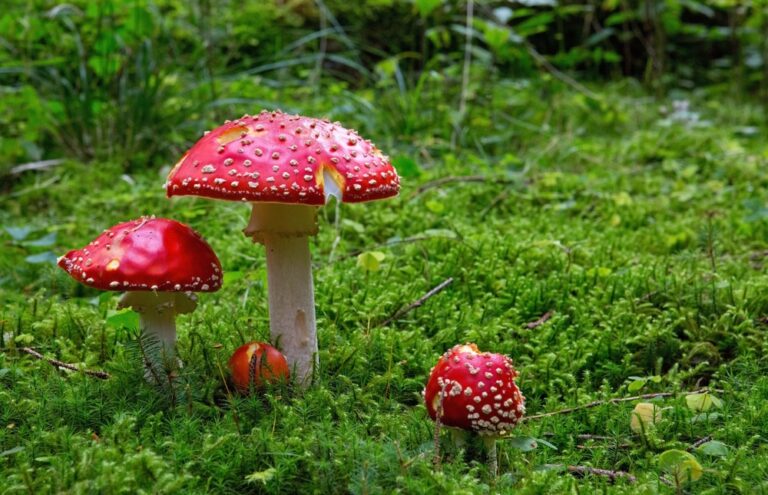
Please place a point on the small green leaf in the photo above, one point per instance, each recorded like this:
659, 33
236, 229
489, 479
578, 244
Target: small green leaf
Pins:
636, 385
713, 448
24, 339
46, 257
495, 35
18, 233
523, 444
351, 224
545, 443
425, 7
125, 318
600, 271
12, 451
446, 233
434, 206
705, 417
45, 241
702, 402
680, 464
370, 261
261, 476
644, 417
622, 199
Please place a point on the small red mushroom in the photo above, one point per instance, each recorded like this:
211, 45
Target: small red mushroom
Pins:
286, 166
475, 391
257, 363
157, 262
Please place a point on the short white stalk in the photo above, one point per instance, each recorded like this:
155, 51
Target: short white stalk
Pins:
284, 231
157, 317
493, 457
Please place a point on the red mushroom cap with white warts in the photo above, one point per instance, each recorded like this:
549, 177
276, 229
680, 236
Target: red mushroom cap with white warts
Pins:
478, 391
281, 158
146, 254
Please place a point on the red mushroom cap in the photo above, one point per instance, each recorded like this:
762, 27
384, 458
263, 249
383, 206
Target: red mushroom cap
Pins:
146, 254
478, 389
259, 361
281, 158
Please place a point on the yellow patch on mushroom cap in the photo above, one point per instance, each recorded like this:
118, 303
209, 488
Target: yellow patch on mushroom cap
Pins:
251, 350
235, 133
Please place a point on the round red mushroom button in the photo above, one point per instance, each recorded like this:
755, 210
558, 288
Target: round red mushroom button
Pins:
475, 391
257, 363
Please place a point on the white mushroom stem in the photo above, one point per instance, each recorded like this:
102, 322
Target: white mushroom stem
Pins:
157, 315
284, 230
493, 457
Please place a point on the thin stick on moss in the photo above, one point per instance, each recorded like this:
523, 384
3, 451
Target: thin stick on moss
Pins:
103, 375
701, 441
540, 321
418, 302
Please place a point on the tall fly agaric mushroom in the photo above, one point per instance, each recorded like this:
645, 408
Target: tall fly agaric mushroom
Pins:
475, 391
286, 166
157, 262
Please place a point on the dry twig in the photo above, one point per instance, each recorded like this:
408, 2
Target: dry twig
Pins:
700, 442
418, 302
62, 365
39, 165
610, 446
543, 319
588, 436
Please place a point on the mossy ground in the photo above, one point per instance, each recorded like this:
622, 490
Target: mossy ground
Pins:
643, 230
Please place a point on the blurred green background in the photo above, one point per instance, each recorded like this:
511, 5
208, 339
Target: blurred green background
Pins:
132, 81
